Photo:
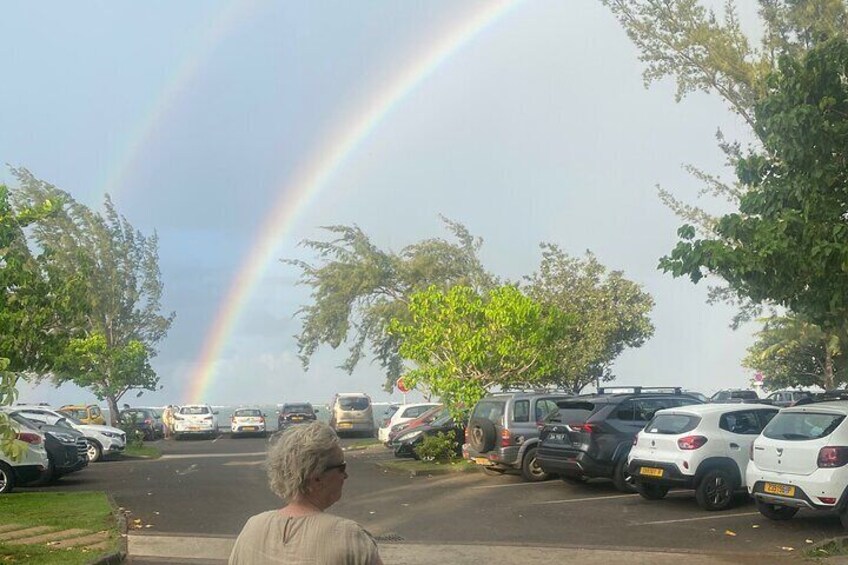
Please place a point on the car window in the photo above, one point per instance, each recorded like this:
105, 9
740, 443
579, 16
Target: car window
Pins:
741, 422
194, 410
248, 412
307, 409
765, 416
802, 426
626, 411
415, 411
491, 410
544, 407
95, 412
354, 403
521, 411
672, 424
645, 408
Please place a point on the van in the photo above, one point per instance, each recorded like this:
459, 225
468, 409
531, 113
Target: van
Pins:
87, 414
351, 412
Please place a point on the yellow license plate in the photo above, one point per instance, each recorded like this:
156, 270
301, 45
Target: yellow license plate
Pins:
650, 472
250, 428
298, 419
345, 425
783, 490
481, 461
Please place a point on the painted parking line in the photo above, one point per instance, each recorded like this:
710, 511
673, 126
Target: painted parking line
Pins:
210, 455
569, 500
519, 485
698, 519
244, 463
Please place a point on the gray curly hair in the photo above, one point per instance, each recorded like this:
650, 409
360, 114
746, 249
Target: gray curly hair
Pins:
302, 452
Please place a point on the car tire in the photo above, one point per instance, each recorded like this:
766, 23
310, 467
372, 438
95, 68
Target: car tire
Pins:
482, 434
778, 512
95, 451
651, 491
715, 490
7, 478
530, 469
621, 477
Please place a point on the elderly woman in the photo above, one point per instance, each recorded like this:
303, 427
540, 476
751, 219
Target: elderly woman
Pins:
306, 468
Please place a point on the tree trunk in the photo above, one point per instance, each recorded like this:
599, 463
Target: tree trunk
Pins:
112, 401
828, 369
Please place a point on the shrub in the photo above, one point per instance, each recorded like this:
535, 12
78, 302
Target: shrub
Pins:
440, 447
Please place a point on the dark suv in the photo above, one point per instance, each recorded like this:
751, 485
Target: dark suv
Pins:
503, 431
299, 413
590, 436
743, 396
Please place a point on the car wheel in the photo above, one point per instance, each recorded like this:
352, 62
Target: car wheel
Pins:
530, 469
779, 512
715, 490
651, 491
7, 478
621, 477
95, 452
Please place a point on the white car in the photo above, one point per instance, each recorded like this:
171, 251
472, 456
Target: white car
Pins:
195, 419
703, 447
248, 421
404, 413
801, 461
31, 466
102, 440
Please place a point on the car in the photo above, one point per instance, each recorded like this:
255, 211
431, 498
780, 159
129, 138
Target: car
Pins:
590, 436
143, 421
503, 431
801, 461
31, 465
295, 413
784, 398
736, 395
248, 420
351, 412
698, 395
102, 440
195, 419
85, 413
67, 449
427, 417
703, 447
405, 443
403, 413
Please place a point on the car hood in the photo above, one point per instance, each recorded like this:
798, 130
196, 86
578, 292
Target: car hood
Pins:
98, 428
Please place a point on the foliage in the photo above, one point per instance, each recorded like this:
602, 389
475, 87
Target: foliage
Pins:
357, 289
463, 343
609, 314
440, 447
790, 352
116, 291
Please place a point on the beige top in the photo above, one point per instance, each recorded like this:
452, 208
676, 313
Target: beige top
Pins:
317, 539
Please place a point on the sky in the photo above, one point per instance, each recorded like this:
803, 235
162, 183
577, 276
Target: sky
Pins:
202, 119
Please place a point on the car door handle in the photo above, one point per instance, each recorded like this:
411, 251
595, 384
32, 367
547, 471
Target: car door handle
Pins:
734, 446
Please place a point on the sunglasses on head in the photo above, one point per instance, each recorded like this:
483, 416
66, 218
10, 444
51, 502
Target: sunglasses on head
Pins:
341, 467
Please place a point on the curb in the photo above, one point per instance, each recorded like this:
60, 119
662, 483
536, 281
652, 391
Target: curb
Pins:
119, 556
412, 472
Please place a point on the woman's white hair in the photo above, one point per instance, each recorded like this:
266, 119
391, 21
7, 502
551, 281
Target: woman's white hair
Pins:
303, 451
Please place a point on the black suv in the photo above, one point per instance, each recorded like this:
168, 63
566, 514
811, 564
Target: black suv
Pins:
503, 431
743, 396
299, 413
590, 436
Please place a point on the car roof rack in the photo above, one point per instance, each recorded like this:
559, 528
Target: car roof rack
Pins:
639, 389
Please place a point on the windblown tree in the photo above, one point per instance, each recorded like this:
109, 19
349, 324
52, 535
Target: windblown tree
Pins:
609, 313
462, 343
115, 269
358, 289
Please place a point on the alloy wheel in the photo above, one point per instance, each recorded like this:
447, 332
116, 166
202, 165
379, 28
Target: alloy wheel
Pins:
718, 491
3, 480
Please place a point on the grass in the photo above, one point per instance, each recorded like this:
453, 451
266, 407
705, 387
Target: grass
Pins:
424, 467
145, 451
62, 510
829, 548
364, 443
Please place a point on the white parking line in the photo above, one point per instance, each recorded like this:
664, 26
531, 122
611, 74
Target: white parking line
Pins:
713, 517
567, 500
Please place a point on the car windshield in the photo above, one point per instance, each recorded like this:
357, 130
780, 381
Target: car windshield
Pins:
354, 402
248, 412
70, 418
672, 424
194, 410
135, 415
491, 410
78, 413
802, 426
297, 409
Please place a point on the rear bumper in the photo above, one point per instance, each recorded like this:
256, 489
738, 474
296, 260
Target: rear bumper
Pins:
571, 463
809, 489
354, 427
246, 429
671, 477
504, 456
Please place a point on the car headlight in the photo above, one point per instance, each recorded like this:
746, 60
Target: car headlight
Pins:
63, 437
411, 436
112, 435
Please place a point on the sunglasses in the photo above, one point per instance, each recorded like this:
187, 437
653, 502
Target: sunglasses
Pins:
341, 467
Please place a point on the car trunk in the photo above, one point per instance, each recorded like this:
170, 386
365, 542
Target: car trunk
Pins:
567, 426
792, 440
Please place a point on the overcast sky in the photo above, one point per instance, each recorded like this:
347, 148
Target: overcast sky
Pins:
194, 114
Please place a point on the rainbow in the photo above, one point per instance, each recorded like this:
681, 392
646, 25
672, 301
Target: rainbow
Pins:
308, 181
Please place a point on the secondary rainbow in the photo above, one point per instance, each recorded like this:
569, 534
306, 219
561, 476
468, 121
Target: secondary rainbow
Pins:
307, 183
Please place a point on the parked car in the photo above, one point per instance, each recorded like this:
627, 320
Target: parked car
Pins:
427, 417
801, 461
736, 395
142, 420
702, 447
351, 412
102, 440
33, 463
590, 436
195, 419
248, 421
784, 398
67, 449
85, 413
404, 413
405, 443
698, 395
158, 423
503, 431
295, 413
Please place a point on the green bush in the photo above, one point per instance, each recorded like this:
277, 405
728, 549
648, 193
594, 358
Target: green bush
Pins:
440, 447
135, 437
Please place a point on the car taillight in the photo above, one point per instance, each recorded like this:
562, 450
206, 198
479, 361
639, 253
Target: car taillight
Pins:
833, 456
30, 437
691, 442
585, 428
506, 438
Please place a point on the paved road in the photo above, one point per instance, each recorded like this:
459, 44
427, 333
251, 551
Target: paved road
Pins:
204, 488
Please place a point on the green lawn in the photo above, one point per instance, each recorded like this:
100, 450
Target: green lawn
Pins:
62, 510
146, 451
423, 467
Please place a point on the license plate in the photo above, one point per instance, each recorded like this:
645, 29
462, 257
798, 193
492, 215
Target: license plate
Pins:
298, 419
556, 437
650, 472
250, 428
345, 425
194, 427
481, 461
783, 490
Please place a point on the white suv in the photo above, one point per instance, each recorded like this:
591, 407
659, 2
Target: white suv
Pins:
101, 440
195, 419
704, 447
33, 463
801, 461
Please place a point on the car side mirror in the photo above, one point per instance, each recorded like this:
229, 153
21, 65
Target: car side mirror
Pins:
215, 412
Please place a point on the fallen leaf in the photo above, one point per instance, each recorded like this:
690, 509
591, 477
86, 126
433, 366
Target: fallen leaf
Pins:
404, 504
371, 512
148, 526
729, 533
784, 548
755, 526
137, 521
808, 540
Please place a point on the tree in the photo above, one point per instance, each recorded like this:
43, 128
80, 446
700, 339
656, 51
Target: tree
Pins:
609, 314
118, 283
357, 289
464, 343
791, 352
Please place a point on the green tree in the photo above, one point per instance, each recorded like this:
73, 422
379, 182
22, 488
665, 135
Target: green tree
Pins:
118, 283
791, 352
463, 343
609, 312
357, 289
